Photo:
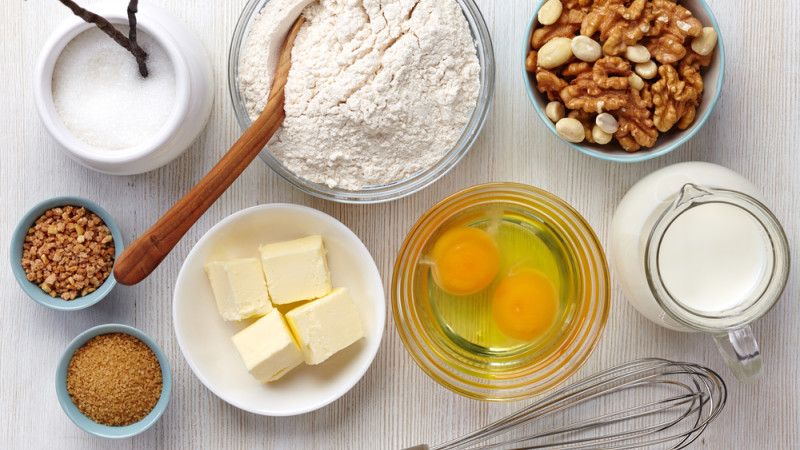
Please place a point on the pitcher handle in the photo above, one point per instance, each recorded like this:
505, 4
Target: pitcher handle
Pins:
740, 350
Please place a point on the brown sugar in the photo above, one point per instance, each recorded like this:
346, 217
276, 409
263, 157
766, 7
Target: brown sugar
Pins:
114, 379
68, 252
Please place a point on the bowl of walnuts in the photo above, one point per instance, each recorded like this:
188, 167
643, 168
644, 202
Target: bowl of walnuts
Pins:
623, 80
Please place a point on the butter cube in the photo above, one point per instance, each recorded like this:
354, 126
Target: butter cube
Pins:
325, 326
239, 288
268, 348
296, 270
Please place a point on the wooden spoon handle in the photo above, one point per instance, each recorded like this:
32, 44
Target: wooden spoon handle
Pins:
145, 254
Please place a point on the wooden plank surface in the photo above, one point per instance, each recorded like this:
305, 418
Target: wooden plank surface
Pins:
753, 130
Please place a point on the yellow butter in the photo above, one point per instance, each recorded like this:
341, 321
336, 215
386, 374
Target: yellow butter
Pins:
239, 288
267, 348
325, 326
296, 270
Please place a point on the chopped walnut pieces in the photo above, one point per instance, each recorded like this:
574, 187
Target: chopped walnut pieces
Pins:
664, 89
676, 99
68, 252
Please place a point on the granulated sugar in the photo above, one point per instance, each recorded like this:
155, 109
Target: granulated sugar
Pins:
378, 90
102, 99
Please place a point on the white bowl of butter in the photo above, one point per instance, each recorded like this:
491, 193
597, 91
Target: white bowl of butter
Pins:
206, 339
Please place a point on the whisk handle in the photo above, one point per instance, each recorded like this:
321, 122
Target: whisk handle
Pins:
418, 447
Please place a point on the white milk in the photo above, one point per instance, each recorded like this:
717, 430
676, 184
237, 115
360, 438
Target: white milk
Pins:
100, 95
694, 248
712, 256
635, 218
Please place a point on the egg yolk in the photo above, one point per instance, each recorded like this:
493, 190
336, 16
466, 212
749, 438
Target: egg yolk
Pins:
466, 260
525, 304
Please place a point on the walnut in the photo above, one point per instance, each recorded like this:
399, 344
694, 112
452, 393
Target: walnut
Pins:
583, 93
603, 67
642, 108
676, 96
574, 69
530, 61
549, 83
646, 95
574, 4
695, 60
672, 23
632, 12
636, 128
595, 91
567, 26
617, 25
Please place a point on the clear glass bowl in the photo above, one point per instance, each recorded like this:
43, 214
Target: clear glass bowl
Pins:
375, 194
480, 372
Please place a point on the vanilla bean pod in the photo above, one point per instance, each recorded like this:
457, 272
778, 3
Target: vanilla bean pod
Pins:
106, 27
141, 55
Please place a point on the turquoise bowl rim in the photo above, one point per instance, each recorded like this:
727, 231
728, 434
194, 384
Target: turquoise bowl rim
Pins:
15, 252
91, 426
622, 156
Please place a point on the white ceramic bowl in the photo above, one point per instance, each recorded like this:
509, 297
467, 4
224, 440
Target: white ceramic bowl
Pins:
193, 97
205, 339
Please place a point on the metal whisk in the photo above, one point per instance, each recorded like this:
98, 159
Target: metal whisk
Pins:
676, 401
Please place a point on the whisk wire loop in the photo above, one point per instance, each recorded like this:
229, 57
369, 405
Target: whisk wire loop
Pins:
678, 401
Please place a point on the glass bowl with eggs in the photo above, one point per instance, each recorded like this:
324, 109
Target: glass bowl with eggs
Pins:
379, 103
500, 291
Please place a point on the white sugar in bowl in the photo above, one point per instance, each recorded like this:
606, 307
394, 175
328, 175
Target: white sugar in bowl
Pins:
102, 112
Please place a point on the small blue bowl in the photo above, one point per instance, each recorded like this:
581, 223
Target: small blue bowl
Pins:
34, 291
713, 76
88, 424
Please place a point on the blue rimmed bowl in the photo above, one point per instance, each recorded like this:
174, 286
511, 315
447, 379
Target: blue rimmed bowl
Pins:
712, 77
18, 238
88, 424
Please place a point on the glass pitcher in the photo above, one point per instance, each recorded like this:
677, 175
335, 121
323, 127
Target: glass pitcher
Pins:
708, 257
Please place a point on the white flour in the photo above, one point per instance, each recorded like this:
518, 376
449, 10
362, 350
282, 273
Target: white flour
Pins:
378, 89
263, 49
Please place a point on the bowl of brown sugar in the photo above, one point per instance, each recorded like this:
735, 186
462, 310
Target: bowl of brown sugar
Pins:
63, 252
113, 381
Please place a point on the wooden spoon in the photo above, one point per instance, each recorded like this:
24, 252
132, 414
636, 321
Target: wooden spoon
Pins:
147, 252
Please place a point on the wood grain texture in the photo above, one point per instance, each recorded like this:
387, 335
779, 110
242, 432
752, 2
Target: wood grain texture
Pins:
753, 130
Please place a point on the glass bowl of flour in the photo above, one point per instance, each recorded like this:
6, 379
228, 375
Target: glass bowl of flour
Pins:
382, 100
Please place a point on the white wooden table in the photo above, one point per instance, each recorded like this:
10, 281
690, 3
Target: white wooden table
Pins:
753, 130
